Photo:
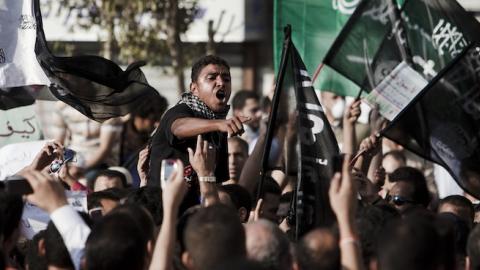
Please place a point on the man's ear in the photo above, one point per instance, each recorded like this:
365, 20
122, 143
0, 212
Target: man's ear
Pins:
150, 249
193, 87
237, 112
187, 260
41, 247
243, 214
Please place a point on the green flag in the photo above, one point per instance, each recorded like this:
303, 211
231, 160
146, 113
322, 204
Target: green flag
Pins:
315, 26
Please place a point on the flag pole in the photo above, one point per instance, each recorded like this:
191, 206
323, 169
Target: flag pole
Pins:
317, 72
273, 113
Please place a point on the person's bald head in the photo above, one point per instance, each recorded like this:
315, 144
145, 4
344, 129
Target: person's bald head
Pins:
268, 245
318, 250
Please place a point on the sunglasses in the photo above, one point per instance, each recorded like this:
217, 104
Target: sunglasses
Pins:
398, 200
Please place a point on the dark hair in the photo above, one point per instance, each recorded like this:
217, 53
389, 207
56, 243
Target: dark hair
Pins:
243, 144
11, 209
317, 251
114, 194
269, 186
415, 177
409, 243
459, 230
33, 258
151, 108
141, 216
240, 98
371, 219
473, 248
56, 252
462, 205
116, 242
205, 61
110, 174
151, 198
239, 196
214, 234
182, 225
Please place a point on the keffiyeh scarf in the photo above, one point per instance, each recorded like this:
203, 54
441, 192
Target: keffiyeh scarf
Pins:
200, 108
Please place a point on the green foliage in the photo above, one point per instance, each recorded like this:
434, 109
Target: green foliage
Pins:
138, 28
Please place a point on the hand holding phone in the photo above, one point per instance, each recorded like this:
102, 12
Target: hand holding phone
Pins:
68, 155
168, 167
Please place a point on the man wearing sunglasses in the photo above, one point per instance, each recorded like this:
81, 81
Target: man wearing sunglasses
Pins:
409, 189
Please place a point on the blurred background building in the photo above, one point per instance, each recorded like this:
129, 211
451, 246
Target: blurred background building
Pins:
240, 31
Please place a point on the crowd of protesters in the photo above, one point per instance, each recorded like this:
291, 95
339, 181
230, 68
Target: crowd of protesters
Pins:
205, 214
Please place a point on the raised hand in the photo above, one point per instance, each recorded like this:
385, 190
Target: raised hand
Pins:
143, 165
48, 194
343, 199
203, 162
342, 194
352, 113
174, 190
370, 146
50, 151
233, 126
203, 159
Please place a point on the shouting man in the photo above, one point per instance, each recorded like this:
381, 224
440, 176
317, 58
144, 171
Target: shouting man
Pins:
201, 111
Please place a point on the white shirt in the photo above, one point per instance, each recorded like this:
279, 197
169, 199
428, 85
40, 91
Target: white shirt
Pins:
73, 230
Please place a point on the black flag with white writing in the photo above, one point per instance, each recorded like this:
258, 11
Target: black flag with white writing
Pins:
95, 86
318, 147
310, 144
426, 34
446, 128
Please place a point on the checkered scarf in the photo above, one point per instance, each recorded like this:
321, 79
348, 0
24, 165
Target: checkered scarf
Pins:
200, 108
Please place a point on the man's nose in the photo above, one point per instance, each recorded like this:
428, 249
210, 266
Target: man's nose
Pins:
220, 80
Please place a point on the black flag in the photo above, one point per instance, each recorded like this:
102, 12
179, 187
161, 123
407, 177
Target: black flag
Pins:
316, 143
15, 97
426, 34
95, 86
318, 147
448, 131
434, 33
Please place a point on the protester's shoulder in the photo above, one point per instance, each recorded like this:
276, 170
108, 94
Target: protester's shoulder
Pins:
181, 107
177, 111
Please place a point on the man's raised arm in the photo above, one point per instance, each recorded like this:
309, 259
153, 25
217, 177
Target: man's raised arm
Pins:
191, 127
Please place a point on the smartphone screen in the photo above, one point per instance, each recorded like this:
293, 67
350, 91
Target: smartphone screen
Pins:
17, 185
168, 167
68, 155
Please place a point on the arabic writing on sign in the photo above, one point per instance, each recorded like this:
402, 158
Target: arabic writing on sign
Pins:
345, 6
445, 36
380, 13
396, 91
23, 133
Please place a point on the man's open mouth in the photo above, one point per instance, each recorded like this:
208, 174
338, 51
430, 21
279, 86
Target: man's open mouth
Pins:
220, 94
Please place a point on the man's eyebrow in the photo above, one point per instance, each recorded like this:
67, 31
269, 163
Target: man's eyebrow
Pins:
219, 73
